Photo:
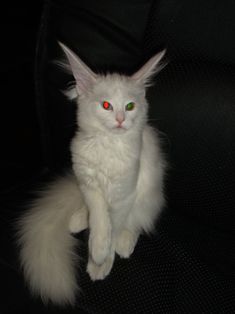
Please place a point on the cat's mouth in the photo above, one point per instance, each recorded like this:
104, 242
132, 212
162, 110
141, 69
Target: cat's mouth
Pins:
119, 128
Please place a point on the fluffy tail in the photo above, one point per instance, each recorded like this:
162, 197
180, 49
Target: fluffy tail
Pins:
47, 252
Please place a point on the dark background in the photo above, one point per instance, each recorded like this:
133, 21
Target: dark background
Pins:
21, 154
188, 266
21, 161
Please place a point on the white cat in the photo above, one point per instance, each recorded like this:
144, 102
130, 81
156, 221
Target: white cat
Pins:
116, 190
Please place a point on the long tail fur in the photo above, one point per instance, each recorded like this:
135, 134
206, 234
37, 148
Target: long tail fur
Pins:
47, 249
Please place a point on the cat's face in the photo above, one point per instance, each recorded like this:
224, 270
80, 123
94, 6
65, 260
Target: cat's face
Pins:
112, 103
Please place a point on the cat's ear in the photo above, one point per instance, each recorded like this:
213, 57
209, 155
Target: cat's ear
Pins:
150, 68
84, 76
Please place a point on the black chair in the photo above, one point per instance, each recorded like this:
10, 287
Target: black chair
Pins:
188, 265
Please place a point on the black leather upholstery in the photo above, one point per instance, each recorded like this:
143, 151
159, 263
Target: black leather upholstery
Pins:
188, 265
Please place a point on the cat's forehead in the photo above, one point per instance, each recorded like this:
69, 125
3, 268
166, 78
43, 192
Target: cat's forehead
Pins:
116, 85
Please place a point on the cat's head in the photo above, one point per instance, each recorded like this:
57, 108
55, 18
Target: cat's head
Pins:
110, 103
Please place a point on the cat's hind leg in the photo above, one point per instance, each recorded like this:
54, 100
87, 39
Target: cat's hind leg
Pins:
79, 220
140, 219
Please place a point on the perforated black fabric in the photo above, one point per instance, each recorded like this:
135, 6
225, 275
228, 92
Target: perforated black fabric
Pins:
188, 264
200, 29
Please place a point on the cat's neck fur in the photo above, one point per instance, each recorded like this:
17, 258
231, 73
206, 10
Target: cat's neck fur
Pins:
132, 138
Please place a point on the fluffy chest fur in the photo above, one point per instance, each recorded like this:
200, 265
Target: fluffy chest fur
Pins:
109, 163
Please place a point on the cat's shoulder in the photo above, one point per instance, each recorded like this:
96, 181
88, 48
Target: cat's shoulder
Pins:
151, 140
150, 133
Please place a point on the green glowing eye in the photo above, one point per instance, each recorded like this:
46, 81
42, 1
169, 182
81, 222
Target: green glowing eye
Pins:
130, 106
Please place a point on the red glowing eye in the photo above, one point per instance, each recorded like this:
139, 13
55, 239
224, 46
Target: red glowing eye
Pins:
107, 105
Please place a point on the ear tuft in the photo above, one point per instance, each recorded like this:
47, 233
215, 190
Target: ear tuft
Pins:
71, 92
83, 75
150, 68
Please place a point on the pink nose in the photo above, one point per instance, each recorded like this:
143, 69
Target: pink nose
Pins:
120, 117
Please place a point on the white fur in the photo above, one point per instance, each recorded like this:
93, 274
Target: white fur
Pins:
117, 190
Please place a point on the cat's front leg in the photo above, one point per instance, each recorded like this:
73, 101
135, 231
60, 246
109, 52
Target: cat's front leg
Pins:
99, 224
99, 272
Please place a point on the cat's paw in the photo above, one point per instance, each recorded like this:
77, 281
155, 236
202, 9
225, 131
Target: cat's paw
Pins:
79, 221
99, 272
125, 243
99, 247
